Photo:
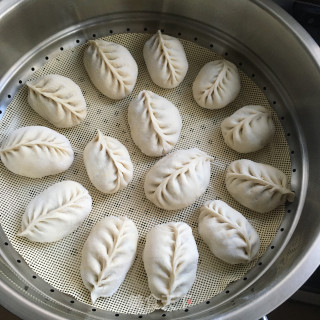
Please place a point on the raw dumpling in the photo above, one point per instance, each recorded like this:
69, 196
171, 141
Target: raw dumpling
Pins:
56, 212
216, 85
249, 129
108, 163
166, 60
36, 152
111, 68
58, 100
259, 187
228, 234
107, 255
155, 123
170, 259
178, 179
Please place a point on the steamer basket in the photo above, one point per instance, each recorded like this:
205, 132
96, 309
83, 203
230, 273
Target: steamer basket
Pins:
269, 46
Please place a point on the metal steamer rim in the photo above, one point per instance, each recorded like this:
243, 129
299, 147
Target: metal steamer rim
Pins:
31, 284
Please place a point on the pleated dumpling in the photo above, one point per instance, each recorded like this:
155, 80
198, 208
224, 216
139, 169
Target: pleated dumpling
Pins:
107, 255
228, 234
178, 179
111, 68
257, 186
36, 152
56, 212
216, 85
108, 163
170, 259
166, 60
249, 129
57, 99
155, 123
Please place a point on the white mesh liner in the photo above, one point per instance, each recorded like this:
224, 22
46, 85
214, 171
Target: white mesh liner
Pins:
58, 263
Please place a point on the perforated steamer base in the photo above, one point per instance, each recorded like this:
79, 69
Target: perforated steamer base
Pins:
58, 263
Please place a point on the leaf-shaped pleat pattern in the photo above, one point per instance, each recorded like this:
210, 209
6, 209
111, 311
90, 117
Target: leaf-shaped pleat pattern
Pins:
228, 234
155, 123
257, 186
178, 179
111, 68
166, 60
36, 152
56, 212
249, 129
107, 255
108, 163
170, 259
216, 85
58, 100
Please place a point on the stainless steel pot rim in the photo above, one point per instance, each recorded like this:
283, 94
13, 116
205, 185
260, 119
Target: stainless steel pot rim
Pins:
305, 266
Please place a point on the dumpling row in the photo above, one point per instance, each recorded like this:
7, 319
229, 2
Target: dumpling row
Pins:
110, 67
110, 248
216, 85
170, 258
113, 71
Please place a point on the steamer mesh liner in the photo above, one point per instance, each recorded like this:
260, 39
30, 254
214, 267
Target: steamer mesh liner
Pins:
58, 263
